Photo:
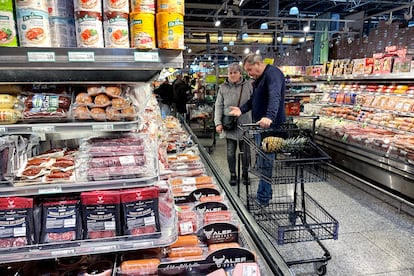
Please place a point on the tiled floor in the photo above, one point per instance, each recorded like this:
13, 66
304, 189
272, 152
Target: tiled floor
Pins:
374, 237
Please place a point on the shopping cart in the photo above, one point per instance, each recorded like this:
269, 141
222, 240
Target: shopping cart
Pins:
292, 215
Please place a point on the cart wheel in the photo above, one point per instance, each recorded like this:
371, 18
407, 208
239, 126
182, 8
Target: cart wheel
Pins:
320, 268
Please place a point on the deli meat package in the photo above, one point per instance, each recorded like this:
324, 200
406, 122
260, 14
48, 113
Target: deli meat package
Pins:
101, 214
140, 211
61, 221
123, 156
16, 222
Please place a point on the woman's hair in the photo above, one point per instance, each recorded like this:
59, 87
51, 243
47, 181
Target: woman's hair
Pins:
235, 66
252, 59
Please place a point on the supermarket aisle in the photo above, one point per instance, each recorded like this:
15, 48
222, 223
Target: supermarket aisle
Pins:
374, 239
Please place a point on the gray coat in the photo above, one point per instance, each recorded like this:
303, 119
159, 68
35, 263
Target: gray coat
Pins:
228, 95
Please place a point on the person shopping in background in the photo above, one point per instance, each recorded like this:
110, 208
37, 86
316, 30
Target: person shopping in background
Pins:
267, 104
165, 92
180, 90
233, 91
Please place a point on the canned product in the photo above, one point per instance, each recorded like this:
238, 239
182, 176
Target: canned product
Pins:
116, 6
142, 30
145, 6
60, 8
7, 29
89, 31
33, 28
170, 30
174, 6
31, 4
116, 30
62, 32
88, 5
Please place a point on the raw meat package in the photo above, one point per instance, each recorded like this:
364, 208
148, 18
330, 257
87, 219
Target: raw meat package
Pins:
16, 222
61, 221
140, 211
101, 214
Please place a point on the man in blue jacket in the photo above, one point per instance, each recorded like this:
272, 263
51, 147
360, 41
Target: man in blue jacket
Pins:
267, 104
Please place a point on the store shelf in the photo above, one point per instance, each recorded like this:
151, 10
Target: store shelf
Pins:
46, 128
27, 65
25, 189
168, 235
368, 77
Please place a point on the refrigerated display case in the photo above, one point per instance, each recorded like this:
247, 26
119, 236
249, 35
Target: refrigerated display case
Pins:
48, 67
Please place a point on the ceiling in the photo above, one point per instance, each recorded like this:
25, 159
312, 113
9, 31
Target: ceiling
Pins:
246, 16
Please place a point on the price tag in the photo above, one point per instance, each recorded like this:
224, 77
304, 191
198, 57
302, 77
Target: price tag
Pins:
43, 129
102, 127
65, 252
3, 130
81, 56
50, 190
146, 56
106, 248
41, 56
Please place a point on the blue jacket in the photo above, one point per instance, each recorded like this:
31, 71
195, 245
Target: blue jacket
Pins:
268, 98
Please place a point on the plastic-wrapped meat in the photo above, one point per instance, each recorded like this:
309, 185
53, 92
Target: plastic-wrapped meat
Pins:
110, 173
64, 162
61, 221
141, 213
119, 141
101, 214
16, 221
117, 161
101, 151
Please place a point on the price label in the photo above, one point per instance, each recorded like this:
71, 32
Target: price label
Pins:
81, 56
65, 252
146, 56
41, 56
107, 248
50, 190
103, 127
3, 130
43, 129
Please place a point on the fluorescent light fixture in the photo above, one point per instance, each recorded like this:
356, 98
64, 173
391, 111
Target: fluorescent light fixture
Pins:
294, 10
264, 26
217, 23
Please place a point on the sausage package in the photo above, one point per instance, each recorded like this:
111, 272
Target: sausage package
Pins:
61, 221
16, 222
140, 211
44, 106
101, 214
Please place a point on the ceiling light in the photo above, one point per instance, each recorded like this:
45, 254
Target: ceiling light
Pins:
302, 39
189, 50
246, 51
231, 43
306, 28
309, 50
225, 49
245, 35
217, 23
226, 58
294, 10
219, 38
257, 52
264, 26
279, 38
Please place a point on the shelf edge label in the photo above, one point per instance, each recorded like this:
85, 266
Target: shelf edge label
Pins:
146, 56
41, 57
103, 127
81, 56
43, 129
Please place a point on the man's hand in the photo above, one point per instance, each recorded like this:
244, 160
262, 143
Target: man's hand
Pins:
219, 128
234, 111
265, 122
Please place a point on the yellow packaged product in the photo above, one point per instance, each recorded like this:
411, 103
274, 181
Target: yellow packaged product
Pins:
7, 101
9, 116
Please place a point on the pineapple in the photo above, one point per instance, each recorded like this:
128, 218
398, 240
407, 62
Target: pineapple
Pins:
272, 144
294, 144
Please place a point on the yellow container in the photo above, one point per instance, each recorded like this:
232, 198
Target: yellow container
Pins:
170, 30
142, 30
174, 6
145, 6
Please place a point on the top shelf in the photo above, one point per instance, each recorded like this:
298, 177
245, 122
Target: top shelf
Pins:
368, 77
24, 65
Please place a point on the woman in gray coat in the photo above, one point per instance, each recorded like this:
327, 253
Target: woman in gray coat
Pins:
229, 92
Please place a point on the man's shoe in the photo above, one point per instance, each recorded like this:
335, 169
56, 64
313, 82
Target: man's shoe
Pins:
233, 180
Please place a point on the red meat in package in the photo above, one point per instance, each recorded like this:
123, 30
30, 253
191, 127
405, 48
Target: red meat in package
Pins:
101, 214
61, 221
16, 222
140, 209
